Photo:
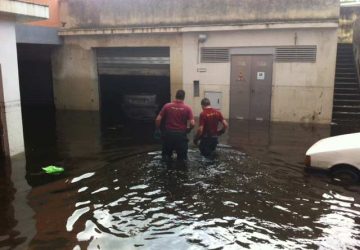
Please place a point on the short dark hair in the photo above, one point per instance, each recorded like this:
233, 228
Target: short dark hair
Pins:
205, 102
180, 94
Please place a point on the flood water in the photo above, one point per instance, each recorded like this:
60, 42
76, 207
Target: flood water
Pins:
116, 193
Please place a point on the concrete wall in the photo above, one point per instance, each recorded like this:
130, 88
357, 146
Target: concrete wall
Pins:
125, 13
302, 92
10, 105
23, 11
54, 14
37, 35
75, 71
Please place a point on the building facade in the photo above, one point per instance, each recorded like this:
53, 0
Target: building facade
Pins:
12, 12
258, 60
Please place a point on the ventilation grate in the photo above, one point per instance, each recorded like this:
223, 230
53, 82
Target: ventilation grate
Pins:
214, 55
296, 54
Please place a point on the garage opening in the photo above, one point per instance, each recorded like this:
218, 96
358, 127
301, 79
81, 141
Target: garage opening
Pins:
134, 83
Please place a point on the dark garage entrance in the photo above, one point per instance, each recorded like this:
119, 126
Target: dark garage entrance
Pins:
134, 83
37, 101
35, 75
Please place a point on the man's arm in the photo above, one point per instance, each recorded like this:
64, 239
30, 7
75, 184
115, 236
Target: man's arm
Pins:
225, 126
198, 135
158, 121
191, 121
160, 117
191, 125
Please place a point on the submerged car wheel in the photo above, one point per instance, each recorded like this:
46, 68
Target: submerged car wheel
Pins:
346, 174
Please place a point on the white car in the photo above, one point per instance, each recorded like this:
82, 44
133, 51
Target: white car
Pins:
339, 154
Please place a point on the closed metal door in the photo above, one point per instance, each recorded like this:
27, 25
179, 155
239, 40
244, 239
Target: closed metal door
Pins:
240, 87
261, 88
215, 99
251, 87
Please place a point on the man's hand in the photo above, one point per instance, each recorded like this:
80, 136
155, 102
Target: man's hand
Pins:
196, 141
157, 134
221, 131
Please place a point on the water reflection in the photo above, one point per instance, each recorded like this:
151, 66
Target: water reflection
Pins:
118, 194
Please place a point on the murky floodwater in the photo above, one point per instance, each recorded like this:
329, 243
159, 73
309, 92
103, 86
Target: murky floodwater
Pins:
116, 193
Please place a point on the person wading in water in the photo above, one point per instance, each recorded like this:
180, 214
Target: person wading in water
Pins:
208, 131
179, 121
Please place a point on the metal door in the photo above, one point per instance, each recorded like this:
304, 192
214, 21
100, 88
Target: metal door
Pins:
251, 87
215, 99
240, 87
261, 87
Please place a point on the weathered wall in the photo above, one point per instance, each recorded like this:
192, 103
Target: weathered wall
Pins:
23, 11
302, 92
75, 71
121, 13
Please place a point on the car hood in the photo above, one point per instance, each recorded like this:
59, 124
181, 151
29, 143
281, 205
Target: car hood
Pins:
336, 143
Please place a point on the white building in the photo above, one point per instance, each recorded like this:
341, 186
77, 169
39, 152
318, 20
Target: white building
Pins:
12, 12
262, 60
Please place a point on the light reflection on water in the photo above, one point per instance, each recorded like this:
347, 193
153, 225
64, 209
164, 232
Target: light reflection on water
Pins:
226, 203
116, 193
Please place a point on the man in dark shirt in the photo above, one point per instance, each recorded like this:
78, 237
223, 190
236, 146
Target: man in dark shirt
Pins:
208, 131
179, 120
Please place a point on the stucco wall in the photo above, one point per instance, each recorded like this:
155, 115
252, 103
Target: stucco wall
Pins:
302, 92
75, 72
120, 13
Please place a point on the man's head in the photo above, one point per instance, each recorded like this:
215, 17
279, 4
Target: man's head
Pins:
180, 95
205, 102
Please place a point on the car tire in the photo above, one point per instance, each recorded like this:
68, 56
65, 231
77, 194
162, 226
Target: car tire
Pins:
346, 174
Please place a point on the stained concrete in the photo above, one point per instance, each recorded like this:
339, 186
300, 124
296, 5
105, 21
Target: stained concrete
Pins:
75, 72
124, 13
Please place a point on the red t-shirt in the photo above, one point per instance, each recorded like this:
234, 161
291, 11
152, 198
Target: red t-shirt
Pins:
210, 119
176, 115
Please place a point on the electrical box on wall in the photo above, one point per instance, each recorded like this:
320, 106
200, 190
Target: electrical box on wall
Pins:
215, 99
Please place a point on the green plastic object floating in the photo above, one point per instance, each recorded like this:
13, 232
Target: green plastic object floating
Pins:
53, 169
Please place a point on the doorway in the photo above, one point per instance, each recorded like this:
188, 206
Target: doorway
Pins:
251, 87
134, 83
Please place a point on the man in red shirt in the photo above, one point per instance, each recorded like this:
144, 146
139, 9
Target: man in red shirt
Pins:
178, 120
208, 131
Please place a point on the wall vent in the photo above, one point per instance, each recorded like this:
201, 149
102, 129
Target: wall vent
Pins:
215, 55
296, 54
